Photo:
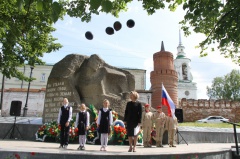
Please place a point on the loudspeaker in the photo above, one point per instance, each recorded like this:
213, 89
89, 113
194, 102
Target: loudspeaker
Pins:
179, 115
15, 109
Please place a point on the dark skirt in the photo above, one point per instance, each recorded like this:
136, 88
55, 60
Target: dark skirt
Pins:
81, 129
130, 129
104, 128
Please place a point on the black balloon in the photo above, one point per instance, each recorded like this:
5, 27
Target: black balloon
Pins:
130, 23
117, 25
109, 30
89, 35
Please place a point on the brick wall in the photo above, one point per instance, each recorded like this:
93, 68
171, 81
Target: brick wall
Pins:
197, 109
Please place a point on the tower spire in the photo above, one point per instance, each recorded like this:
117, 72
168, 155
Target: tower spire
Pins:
180, 48
162, 47
180, 39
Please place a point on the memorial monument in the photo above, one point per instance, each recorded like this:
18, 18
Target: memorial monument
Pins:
88, 80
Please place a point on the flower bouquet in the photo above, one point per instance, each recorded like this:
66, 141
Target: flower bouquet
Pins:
115, 115
48, 132
153, 137
73, 134
118, 133
92, 134
140, 137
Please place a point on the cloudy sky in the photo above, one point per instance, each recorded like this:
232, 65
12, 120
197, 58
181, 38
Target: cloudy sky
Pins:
134, 47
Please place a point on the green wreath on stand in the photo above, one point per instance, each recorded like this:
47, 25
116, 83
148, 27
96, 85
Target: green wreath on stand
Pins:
93, 136
48, 132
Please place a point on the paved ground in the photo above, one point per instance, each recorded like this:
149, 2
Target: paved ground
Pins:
37, 147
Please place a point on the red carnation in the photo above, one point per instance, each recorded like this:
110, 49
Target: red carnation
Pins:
76, 130
17, 156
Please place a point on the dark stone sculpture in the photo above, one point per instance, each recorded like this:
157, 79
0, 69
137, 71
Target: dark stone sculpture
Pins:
88, 80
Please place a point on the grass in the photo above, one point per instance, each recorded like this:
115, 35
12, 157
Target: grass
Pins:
212, 125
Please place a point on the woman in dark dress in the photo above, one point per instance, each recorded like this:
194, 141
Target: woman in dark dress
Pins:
132, 119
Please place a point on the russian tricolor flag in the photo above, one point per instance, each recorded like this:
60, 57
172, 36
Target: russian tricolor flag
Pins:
167, 101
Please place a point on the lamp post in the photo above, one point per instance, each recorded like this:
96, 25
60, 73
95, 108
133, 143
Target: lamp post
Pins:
148, 97
3, 79
26, 108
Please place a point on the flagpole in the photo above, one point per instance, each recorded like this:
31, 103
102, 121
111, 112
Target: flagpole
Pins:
161, 93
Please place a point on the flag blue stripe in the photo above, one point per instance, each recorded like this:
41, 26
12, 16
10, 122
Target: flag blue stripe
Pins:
168, 99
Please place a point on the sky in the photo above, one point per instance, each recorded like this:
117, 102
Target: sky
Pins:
134, 47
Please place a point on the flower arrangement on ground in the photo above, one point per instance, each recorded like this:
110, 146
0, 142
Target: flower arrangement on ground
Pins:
140, 137
92, 134
118, 134
73, 134
153, 135
48, 130
51, 132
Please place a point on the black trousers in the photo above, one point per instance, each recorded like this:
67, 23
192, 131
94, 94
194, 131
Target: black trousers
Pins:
64, 135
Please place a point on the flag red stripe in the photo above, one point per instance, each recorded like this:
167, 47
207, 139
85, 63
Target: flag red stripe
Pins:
165, 102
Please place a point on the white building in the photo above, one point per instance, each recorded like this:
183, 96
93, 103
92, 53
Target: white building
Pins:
186, 87
39, 72
42, 72
16, 90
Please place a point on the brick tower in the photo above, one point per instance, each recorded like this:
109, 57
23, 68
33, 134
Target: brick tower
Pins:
163, 72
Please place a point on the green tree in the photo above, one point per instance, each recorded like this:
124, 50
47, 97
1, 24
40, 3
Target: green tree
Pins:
227, 87
26, 27
219, 20
25, 34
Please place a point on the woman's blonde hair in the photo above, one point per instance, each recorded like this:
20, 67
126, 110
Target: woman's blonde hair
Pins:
82, 106
135, 94
105, 100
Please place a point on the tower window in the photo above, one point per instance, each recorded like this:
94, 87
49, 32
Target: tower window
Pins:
43, 77
185, 72
187, 93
